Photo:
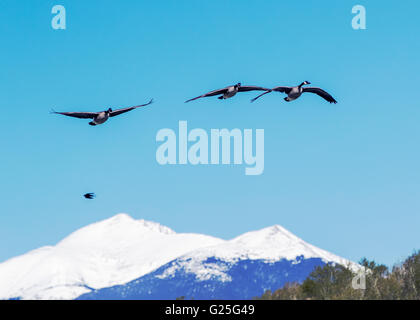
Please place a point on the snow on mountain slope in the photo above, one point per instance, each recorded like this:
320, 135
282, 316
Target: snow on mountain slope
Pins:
270, 245
103, 254
241, 268
120, 250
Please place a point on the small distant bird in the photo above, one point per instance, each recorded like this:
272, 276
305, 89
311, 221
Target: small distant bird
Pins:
89, 195
295, 92
229, 91
100, 117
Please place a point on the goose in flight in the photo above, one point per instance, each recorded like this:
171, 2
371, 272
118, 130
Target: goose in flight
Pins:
102, 116
229, 91
295, 92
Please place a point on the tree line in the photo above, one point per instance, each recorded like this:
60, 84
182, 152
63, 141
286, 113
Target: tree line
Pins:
335, 282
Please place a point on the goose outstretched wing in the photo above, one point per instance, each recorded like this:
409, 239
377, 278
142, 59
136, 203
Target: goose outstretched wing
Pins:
321, 93
257, 97
278, 89
80, 115
252, 88
282, 89
210, 94
120, 111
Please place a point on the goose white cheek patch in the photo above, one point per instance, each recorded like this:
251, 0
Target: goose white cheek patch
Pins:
221, 146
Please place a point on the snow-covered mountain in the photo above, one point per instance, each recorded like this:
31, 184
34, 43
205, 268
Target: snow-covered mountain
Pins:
123, 258
242, 268
113, 251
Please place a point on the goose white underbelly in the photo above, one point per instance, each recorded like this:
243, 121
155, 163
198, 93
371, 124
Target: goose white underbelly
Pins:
230, 93
101, 118
294, 94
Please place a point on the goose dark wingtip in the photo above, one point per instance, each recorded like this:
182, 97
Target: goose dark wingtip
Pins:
146, 104
262, 94
254, 99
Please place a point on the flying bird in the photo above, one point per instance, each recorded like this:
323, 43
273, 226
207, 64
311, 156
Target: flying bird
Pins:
102, 116
89, 195
229, 91
295, 92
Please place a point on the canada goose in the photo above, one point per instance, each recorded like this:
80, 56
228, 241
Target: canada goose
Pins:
89, 196
229, 91
100, 117
295, 92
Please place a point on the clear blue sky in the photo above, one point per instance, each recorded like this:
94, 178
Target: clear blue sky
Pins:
344, 177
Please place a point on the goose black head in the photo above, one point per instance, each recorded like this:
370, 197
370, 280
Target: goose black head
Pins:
305, 83
109, 110
238, 85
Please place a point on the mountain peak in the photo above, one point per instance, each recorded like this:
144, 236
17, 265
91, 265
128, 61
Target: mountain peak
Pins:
275, 230
125, 219
119, 227
271, 234
120, 217
269, 244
